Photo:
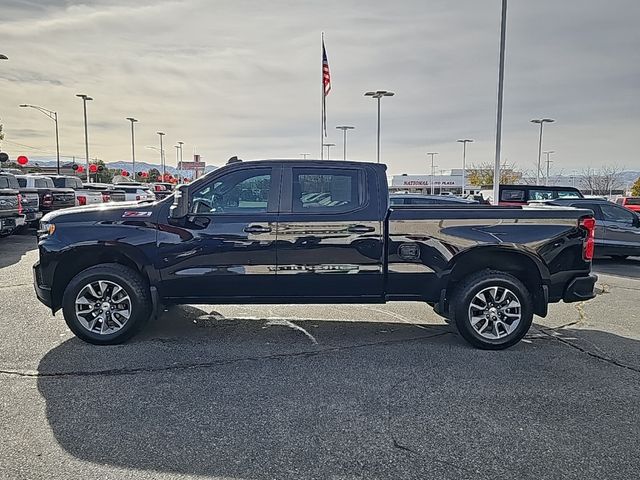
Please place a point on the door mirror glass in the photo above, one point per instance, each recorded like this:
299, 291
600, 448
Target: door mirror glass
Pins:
179, 208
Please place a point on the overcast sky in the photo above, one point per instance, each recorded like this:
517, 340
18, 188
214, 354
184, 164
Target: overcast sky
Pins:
242, 78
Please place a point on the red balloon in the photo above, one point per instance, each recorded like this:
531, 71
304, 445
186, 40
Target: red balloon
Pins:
22, 160
93, 168
80, 169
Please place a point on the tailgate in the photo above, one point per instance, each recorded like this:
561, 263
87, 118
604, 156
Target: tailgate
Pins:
64, 199
93, 197
8, 203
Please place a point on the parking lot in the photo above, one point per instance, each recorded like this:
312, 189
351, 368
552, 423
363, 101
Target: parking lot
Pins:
291, 392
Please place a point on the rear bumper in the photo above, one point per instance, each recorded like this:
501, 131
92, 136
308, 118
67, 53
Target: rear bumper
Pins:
8, 223
580, 289
33, 216
43, 292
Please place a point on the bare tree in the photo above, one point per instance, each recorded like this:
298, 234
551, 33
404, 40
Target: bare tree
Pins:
602, 181
482, 174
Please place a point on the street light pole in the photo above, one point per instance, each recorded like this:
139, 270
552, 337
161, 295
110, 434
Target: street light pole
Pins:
378, 94
541, 122
85, 99
164, 171
53, 116
181, 174
548, 163
432, 154
133, 147
328, 145
177, 154
496, 166
464, 161
344, 129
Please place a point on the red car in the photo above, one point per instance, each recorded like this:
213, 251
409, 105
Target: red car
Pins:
632, 203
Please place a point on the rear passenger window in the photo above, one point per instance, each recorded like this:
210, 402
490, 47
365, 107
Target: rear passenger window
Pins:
325, 190
512, 196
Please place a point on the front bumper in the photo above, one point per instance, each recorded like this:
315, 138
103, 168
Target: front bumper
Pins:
580, 289
43, 292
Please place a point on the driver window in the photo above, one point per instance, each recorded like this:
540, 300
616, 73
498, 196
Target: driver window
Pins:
244, 191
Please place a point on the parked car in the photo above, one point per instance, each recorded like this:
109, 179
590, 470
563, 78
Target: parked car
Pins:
10, 208
255, 232
415, 199
162, 189
51, 198
109, 192
135, 192
84, 196
617, 232
632, 203
523, 194
29, 198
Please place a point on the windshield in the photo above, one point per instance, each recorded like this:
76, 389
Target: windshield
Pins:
632, 201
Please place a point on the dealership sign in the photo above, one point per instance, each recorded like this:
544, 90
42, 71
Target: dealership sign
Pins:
426, 181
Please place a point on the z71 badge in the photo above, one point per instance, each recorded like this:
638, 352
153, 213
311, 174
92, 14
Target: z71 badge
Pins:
134, 214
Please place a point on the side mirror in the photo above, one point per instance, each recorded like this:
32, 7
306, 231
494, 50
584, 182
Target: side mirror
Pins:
180, 207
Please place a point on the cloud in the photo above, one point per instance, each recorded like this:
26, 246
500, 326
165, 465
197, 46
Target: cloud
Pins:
243, 77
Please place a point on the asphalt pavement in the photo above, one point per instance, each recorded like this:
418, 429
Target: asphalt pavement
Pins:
326, 391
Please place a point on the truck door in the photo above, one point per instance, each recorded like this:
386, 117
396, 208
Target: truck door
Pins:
330, 234
622, 230
227, 244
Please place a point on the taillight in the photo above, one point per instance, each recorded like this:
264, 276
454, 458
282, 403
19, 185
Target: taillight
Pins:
106, 197
47, 199
19, 204
137, 197
82, 200
589, 224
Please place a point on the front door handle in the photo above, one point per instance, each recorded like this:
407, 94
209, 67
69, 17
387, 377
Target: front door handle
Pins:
257, 229
360, 229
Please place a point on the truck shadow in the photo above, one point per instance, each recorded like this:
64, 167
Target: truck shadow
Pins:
240, 399
13, 247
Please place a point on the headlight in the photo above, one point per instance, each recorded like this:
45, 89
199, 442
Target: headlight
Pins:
46, 229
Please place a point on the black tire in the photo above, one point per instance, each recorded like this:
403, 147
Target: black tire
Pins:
476, 283
619, 257
134, 286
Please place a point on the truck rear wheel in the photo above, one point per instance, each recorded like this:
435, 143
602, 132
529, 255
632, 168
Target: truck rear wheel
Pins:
492, 310
106, 304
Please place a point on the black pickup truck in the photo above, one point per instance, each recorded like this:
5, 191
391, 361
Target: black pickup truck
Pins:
311, 232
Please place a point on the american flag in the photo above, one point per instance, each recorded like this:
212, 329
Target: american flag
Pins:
326, 75
326, 87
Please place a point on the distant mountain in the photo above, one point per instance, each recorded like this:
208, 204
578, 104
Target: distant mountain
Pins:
120, 165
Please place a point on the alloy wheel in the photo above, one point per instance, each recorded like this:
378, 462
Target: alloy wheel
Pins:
103, 307
495, 312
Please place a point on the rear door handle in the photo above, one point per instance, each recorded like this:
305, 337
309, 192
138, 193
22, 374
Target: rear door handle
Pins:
257, 229
360, 229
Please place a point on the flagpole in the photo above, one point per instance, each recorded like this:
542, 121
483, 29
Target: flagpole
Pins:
322, 97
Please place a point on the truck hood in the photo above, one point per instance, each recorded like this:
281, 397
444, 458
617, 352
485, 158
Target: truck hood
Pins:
102, 213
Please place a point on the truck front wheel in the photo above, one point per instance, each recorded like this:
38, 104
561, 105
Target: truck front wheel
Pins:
492, 310
106, 304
